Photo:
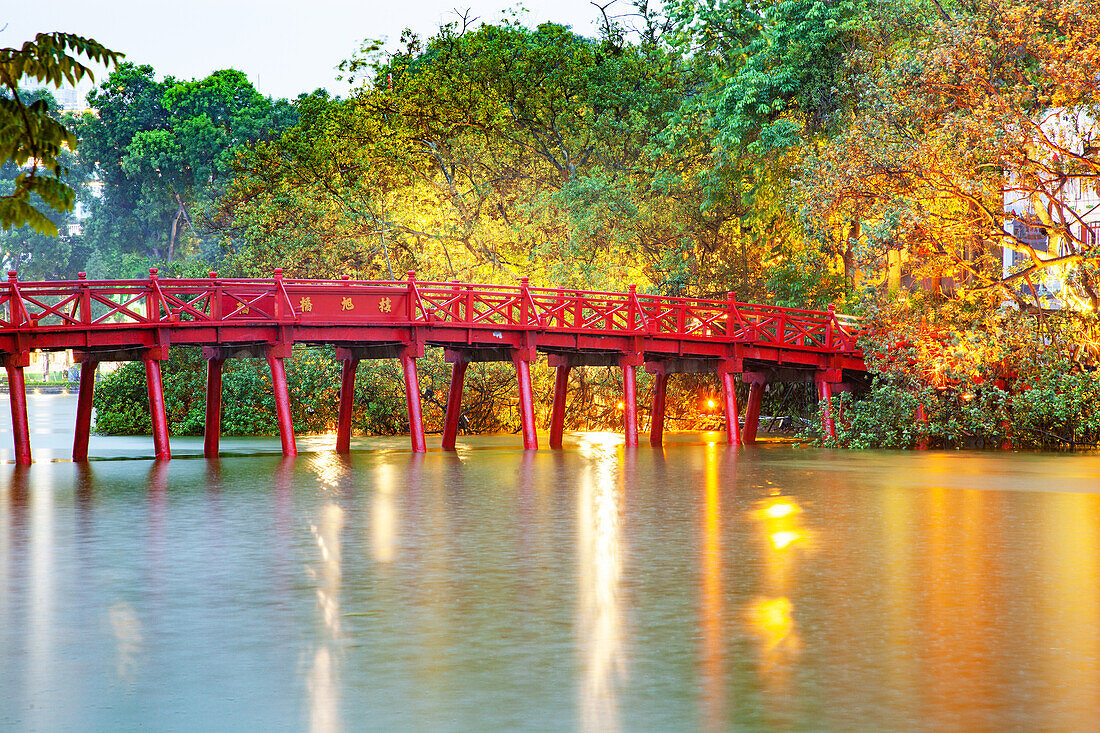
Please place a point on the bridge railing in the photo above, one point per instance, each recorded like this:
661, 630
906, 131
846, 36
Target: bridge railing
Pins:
82, 303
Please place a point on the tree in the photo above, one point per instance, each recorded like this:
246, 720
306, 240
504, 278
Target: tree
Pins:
163, 151
30, 137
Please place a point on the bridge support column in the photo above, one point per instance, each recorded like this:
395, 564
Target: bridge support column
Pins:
84, 401
757, 382
657, 413
522, 361
412, 398
282, 400
825, 398
557, 414
454, 404
212, 431
630, 403
17, 392
157, 414
729, 399
347, 405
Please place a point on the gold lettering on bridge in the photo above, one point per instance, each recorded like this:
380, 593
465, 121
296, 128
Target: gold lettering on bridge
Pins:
346, 304
305, 305
385, 305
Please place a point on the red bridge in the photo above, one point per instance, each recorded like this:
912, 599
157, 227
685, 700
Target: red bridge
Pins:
139, 320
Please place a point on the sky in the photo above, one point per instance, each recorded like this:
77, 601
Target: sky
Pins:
286, 48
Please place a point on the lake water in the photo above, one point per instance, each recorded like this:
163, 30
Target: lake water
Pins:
594, 588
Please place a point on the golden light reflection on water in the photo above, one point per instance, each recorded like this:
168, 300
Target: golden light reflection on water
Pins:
600, 557
383, 535
324, 677
1070, 550
770, 615
713, 652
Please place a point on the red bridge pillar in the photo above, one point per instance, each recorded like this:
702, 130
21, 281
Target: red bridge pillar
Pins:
756, 382
454, 404
412, 398
275, 356
213, 429
825, 380
157, 414
657, 414
522, 359
630, 398
729, 398
347, 405
84, 409
557, 414
17, 392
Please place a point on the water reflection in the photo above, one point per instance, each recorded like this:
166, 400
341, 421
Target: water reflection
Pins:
713, 606
684, 589
771, 615
324, 686
383, 534
600, 559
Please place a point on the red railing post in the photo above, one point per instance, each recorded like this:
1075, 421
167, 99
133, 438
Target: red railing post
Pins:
16, 302
152, 297
631, 306
413, 296
732, 318
829, 326
85, 298
277, 276
524, 292
215, 297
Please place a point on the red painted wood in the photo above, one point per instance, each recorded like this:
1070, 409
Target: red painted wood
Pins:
282, 404
157, 414
412, 399
347, 405
84, 410
454, 405
630, 405
213, 429
657, 414
557, 413
17, 390
825, 397
752, 412
124, 319
526, 405
729, 398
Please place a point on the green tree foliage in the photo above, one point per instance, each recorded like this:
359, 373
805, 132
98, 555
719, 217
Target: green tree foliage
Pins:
477, 154
31, 137
159, 153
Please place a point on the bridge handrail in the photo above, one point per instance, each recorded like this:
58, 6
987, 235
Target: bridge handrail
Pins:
157, 301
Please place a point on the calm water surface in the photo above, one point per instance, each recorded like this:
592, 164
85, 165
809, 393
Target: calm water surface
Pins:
595, 588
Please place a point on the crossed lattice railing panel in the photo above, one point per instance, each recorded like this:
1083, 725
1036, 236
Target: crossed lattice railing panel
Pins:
87, 304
